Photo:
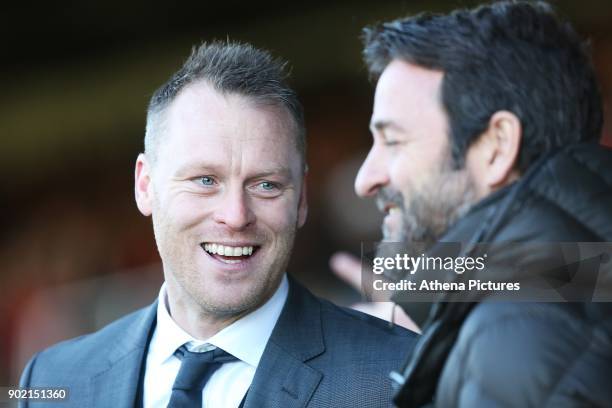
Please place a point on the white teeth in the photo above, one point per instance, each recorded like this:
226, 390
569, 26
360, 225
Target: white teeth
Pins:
394, 210
228, 250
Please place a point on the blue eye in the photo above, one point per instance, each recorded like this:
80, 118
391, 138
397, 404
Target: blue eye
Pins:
266, 185
206, 181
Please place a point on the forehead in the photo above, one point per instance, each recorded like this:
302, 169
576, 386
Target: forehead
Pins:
199, 106
205, 125
407, 90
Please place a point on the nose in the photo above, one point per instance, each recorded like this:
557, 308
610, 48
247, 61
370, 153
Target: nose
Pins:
234, 210
372, 175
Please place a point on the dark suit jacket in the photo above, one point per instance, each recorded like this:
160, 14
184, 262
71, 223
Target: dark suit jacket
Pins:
319, 355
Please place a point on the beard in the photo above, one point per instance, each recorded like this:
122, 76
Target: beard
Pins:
430, 210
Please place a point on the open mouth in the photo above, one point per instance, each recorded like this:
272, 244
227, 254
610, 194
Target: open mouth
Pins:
229, 254
392, 223
387, 206
390, 209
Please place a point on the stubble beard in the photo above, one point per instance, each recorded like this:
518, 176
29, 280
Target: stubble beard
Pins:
431, 210
211, 296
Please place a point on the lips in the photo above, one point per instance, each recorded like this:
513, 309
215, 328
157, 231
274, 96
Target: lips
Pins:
387, 199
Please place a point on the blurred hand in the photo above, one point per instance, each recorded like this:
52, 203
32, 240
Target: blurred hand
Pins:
348, 268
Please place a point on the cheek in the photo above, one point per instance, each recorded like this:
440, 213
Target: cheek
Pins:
412, 170
277, 215
402, 173
184, 210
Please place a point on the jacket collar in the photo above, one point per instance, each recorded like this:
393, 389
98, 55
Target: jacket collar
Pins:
282, 377
118, 380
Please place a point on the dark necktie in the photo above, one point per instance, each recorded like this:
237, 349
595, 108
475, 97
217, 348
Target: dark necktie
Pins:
196, 370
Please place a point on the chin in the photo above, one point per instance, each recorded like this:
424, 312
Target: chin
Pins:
231, 298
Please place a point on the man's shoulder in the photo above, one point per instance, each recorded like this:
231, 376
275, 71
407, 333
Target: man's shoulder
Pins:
352, 350
490, 315
525, 332
343, 318
519, 337
91, 349
361, 328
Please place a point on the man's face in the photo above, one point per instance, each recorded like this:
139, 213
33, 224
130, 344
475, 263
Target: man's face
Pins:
227, 198
409, 167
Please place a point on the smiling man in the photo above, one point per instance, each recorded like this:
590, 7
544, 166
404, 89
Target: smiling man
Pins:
223, 177
485, 128
410, 167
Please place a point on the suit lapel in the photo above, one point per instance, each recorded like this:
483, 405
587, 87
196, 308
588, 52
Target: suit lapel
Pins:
282, 378
119, 382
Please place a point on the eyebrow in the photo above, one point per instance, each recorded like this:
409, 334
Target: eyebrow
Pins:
276, 171
382, 125
188, 168
215, 169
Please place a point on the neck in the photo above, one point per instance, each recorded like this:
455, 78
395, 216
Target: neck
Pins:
192, 318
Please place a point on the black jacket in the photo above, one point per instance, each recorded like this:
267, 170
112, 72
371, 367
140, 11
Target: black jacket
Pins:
504, 354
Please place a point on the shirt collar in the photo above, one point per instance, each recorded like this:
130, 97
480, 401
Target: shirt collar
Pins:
245, 339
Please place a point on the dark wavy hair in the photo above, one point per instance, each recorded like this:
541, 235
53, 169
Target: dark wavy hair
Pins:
511, 55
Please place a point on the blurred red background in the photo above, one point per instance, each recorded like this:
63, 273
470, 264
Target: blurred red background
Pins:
76, 80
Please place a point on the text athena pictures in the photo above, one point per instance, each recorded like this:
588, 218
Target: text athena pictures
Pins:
459, 265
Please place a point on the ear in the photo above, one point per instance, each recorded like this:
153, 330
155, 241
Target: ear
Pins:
494, 156
143, 188
303, 204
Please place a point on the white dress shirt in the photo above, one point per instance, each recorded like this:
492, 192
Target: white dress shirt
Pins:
245, 339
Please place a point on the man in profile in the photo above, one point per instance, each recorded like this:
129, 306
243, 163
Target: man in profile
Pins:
222, 176
486, 125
